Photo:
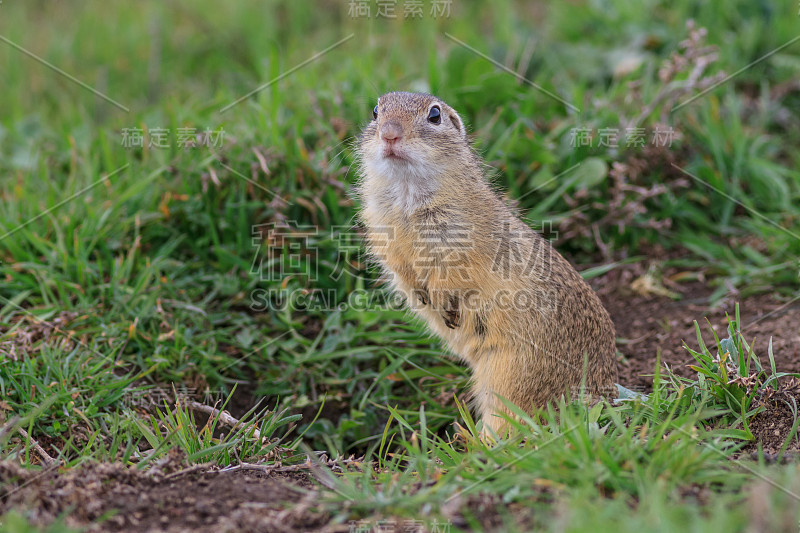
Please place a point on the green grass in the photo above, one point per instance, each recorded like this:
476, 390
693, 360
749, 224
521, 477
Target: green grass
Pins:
648, 451
153, 272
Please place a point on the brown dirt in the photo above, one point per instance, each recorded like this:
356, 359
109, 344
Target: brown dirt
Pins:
174, 498
649, 325
168, 498
772, 427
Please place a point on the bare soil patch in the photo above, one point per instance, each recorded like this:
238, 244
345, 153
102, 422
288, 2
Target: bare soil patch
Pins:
649, 325
773, 425
169, 498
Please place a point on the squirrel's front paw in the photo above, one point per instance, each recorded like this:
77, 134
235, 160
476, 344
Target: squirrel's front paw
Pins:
422, 294
451, 315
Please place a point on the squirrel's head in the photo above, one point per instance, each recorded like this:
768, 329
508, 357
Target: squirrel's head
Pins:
414, 142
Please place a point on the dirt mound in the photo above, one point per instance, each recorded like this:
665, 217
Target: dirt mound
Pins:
168, 498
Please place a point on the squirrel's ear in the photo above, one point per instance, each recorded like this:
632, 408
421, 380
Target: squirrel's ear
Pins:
456, 120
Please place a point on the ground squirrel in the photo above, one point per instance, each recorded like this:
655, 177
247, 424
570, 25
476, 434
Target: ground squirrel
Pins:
493, 289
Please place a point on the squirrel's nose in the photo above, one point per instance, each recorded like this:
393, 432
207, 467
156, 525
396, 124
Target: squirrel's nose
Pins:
391, 132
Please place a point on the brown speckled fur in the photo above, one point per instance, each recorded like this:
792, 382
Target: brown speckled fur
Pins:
459, 254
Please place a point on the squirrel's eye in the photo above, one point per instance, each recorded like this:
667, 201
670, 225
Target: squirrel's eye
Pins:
375, 112
435, 115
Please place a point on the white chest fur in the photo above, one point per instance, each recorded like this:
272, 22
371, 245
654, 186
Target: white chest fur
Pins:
401, 185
